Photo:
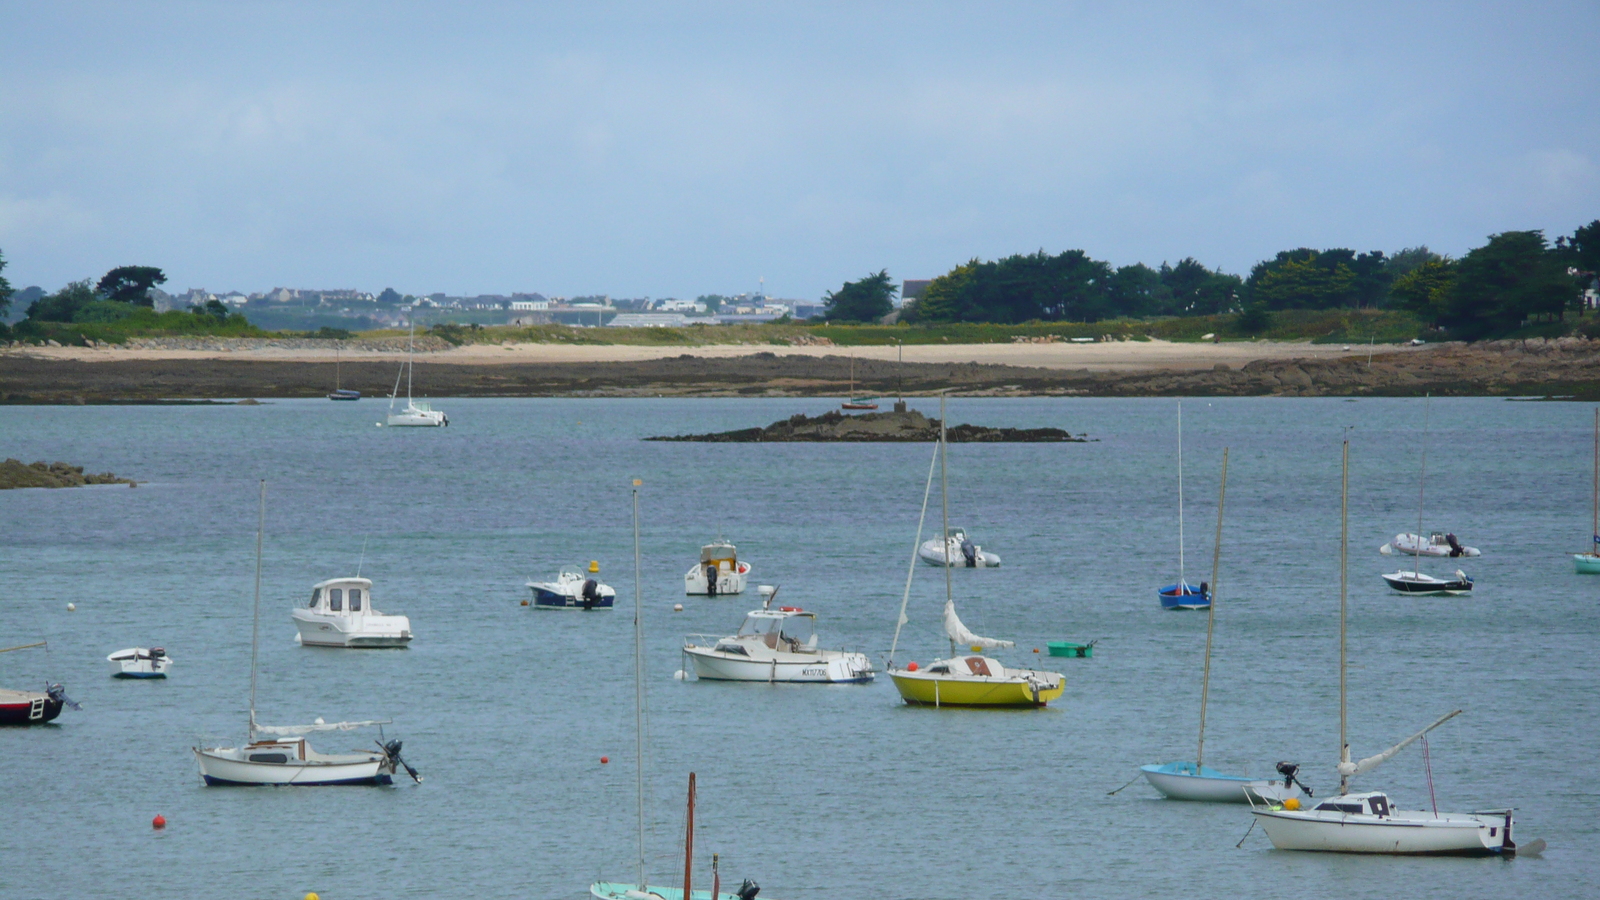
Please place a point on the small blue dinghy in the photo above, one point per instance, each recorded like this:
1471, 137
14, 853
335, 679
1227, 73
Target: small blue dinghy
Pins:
1184, 595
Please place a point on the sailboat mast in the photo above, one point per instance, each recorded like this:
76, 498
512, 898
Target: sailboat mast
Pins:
1422, 480
1211, 615
255, 616
944, 507
1344, 553
1181, 588
688, 843
411, 349
337, 381
1594, 537
912, 567
638, 682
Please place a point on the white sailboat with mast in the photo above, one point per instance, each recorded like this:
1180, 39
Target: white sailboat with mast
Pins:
280, 754
1589, 563
1368, 822
1194, 780
415, 414
1414, 581
642, 889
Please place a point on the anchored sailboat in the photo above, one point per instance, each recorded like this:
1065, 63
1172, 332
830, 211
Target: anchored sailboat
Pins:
1368, 822
339, 391
1414, 581
1589, 563
857, 402
1183, 595
414, 414
283, 756
1193, 780
962, 680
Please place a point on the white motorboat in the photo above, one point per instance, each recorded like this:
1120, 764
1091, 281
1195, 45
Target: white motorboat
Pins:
280, 754
572, 589
340, 614
1422, 584
1195, 780
140, 662
957, 551
1436, 544
1368, 822
718, 572
774, 645
415, 413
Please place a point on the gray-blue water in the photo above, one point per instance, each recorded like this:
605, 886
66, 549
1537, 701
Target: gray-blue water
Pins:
815, 791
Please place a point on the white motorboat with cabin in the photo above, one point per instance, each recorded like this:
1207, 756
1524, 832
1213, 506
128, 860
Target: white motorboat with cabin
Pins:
1368, 822
774, 645
140, 662
340, 614
956, 551
572, 589
280, 754
415, 413
719, 571
1436, 544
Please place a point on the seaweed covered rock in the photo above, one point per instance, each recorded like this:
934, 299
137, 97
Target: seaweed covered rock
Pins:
908, 426
14, 473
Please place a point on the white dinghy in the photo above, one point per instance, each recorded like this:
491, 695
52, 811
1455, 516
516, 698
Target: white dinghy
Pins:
1369, 822
718, 572
774, 645
1416, 581
956, 551
1436, 544
340, 614
140, 662
280, 754
1195, 780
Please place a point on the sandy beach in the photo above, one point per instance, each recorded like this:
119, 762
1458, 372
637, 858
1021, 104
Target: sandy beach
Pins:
1114, 356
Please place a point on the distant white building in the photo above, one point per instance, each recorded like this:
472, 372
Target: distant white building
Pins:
650, 320
680, 306
530, 305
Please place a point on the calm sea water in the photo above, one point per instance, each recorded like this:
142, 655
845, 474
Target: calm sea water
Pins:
815, 791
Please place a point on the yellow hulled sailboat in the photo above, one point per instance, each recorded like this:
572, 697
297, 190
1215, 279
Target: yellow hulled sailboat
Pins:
963, 680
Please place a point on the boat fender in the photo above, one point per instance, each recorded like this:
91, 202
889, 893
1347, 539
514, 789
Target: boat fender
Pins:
749, 890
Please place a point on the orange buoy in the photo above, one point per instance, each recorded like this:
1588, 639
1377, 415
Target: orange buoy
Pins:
604, 760
1036, 649
911, 667
159, 822
524, 603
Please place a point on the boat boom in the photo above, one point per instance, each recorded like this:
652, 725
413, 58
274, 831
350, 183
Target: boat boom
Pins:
1347, 769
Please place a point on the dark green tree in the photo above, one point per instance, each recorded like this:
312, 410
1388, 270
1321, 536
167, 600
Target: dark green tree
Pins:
1138, 290
713, 302
64, 304
1509, 280
1198, 291
1304, 279
5, 288
1582, 250
131, 284
867, 300
1425, 290
940, 299
390, 297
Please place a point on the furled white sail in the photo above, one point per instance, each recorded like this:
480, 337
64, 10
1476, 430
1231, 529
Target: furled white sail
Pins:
294, 730
958, 632
1348, 768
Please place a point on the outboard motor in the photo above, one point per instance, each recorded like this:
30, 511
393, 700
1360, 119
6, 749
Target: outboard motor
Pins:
1455, 545
59, 694
749, 890
591, 593
1205, 590
1288, 770
970, 552
392, 751
711, 579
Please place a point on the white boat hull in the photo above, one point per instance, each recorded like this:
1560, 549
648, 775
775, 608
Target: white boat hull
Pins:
822, 667
731, 582
1405, 832
230, 766
934, 554
352, 631
417, 420
1204, 789
125, 664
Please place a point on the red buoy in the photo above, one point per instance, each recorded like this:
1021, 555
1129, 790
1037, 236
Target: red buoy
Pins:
911, 667
159, 822
604, 760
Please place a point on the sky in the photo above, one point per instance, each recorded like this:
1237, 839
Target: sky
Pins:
677, 149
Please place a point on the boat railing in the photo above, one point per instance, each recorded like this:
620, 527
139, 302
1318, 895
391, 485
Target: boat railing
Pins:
702, 640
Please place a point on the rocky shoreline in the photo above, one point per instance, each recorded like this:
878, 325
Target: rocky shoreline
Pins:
14, 473
1565, 367
884, 427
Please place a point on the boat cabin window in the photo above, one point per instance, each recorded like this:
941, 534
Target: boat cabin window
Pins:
978, 665
355, 599
1352, 808
939, 670
335, 599
316, 594
799, 632
1379, 805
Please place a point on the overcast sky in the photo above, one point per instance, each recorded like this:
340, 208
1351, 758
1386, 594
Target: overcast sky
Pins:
674, 149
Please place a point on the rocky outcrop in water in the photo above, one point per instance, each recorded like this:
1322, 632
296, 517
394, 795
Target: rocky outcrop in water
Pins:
14, 473
909, 426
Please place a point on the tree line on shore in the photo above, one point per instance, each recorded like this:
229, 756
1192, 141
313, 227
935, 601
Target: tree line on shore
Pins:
1516, 277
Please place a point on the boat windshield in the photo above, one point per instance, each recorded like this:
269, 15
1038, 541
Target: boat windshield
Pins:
760, 626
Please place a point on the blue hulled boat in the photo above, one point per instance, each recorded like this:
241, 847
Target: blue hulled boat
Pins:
1185, 596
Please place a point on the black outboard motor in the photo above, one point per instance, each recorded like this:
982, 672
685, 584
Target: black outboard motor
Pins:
1205, 590
749, 890
59, 694
392, 750
1288, 770
711, 579
591, 593
1455, 545
970, 552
